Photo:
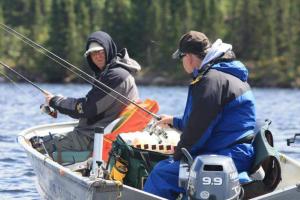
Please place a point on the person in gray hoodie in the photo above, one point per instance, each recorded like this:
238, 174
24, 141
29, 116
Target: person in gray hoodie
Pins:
100, 106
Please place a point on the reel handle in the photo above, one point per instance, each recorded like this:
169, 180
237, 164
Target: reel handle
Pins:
48, 110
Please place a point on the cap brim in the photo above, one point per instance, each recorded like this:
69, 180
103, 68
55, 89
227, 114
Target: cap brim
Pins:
93, 49
176, 54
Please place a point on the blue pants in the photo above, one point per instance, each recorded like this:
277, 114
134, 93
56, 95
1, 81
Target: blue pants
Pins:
163, 180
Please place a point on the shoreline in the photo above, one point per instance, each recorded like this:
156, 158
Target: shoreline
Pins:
156, 80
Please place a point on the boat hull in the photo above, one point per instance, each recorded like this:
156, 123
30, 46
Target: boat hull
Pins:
55, 181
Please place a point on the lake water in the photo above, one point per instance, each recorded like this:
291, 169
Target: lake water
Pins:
19, 109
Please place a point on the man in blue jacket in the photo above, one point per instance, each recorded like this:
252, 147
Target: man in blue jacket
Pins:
219, 116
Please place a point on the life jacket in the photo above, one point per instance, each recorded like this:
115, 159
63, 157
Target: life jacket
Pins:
132, 119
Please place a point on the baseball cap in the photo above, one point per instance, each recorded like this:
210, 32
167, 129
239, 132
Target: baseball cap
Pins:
192, 42
94, 46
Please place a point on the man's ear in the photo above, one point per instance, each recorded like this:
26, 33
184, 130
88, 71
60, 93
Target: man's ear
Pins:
190, 58
194, 60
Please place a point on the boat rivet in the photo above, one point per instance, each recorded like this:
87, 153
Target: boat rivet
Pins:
61, 172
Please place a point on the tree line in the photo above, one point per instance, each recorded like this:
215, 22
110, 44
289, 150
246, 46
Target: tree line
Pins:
265, 34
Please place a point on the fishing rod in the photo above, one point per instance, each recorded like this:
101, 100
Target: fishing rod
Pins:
35, 46
44, 108
8, 78
23, 77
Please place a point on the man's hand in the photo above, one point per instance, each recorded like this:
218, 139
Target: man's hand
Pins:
166, 121
48, 97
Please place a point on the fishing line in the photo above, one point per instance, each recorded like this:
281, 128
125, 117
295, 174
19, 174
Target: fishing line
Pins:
26, 79
15, 84
34, 45
10, 80
44, 108
38, 47
42, 52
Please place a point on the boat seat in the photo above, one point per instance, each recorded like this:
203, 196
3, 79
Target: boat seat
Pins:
71, 157
266, 167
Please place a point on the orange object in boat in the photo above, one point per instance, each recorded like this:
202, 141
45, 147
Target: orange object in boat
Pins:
132, 119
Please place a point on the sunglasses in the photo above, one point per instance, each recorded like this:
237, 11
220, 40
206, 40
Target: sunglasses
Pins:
181, 55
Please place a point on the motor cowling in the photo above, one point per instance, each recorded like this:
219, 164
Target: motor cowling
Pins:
211, 177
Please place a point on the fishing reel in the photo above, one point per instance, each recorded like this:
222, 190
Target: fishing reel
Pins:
48, 110
157, 131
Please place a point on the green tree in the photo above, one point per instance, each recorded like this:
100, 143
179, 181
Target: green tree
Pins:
1, 32
117, 15
293, 38
265, 34
168, 39
34, 29
242, 26
14, 17
57, 42
96, 16
142, 48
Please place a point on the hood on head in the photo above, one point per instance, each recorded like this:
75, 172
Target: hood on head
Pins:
107, 43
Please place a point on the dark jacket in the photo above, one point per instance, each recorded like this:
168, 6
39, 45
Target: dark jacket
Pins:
101, 106
220, 110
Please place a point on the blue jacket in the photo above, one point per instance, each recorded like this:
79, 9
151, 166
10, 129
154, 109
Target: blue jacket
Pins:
220, 110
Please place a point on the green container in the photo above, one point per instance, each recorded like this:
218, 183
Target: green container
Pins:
140, 162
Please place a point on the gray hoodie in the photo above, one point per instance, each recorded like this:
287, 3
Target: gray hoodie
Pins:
101, 106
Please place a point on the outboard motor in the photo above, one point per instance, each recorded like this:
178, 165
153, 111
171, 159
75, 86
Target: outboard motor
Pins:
209, 177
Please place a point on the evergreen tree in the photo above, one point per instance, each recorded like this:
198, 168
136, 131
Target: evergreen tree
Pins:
15, 12
72, 47
147, 30
167, 39
2, 41
83, 27
34, 28
200, 15
1, 31
96, 14
243, 28
14, 17
117, 14
154, 33
265, 34
215, 23
139, 29
293, 25
57, 42
294, 32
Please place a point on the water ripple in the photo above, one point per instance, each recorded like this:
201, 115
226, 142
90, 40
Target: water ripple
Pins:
4, 138
13, 191
7, 160
30, 173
